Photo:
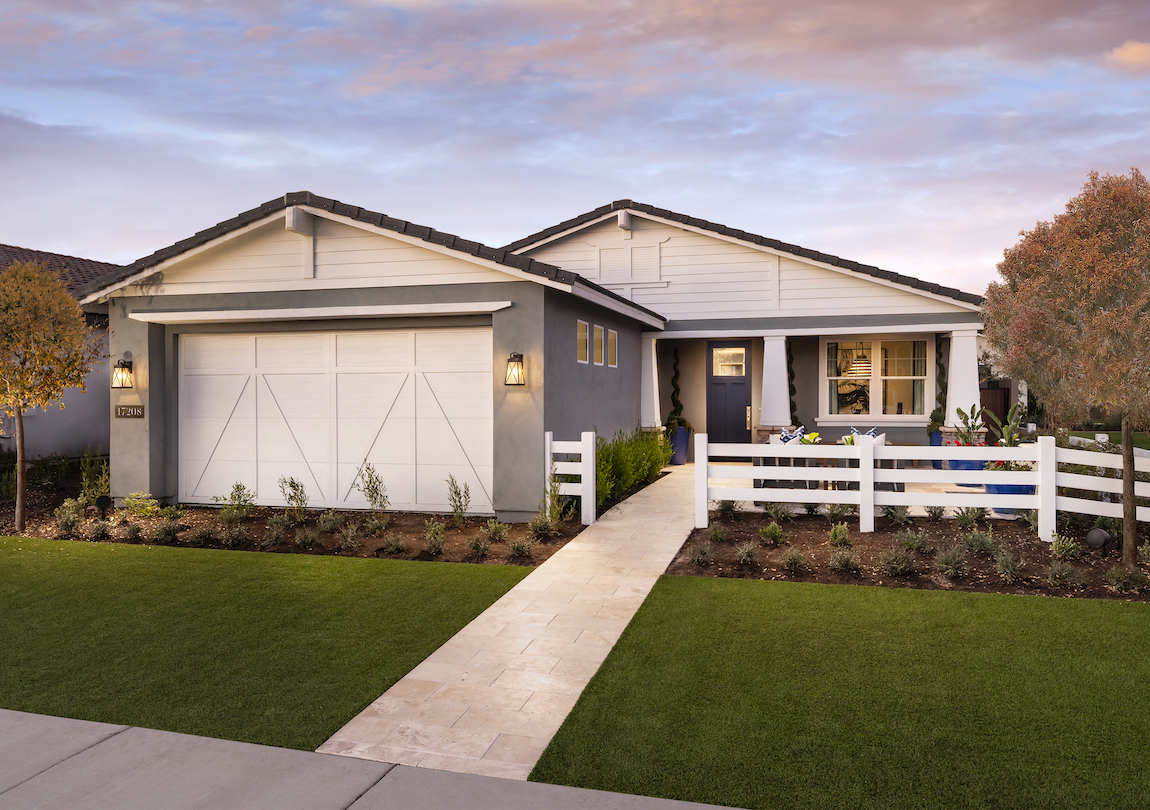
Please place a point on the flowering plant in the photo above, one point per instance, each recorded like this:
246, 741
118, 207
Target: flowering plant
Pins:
967, 435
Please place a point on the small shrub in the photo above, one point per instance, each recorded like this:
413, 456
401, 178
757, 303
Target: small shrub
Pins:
794, 563
459, 499
838, 512
307, 537
1007, 566
479, 545
373, 489
277, 526
376, 525
1064, 548
494, 531
294, 493
844, 561
772, 534
349, 537
49, 472
237, 504
234, 535
1062, 574
726, 510
811, 508
970, 516
747, 553
701, 553
68, 516
981, 542
896, 562
914, 540
839, 535
1030, 517
935, 513
541, 527
133, 533
174, 512
94, 476
951, 561
900, 515
99, 532
168, 532
1144, 552
393, 544
329, 521
202, 536
1124, 580
141, 504
778, 512
717, 533
8, 485
435, 537
520, 548
1110, 525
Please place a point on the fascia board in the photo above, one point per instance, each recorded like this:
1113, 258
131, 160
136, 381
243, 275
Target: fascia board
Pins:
317, 313
900, 329
607, 302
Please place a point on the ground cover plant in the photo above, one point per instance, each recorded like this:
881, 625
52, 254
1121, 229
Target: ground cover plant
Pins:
792, 695
273, 649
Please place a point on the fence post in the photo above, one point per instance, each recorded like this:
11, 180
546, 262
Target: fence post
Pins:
865, 446
701, 454
587, 478
1047, 488
548, 461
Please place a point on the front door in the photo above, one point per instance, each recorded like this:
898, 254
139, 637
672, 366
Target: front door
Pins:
729, 391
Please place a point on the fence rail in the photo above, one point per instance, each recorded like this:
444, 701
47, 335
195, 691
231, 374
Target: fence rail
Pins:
584, 468
872, 474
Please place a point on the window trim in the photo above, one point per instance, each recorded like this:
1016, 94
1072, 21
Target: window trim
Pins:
583, 346
876, 379
599, 346
612, 349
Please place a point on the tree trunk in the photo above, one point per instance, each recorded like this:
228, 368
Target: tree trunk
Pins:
1129, 505
21, 475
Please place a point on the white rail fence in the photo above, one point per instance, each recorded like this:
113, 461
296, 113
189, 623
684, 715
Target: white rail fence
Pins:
584, 489
871, 474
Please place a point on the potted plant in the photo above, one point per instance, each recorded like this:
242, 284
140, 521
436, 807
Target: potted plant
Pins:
934, 431
1011, 437
968, 436
678, 428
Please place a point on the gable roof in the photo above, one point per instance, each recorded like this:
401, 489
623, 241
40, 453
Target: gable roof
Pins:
723, 230
74, 271
500, 256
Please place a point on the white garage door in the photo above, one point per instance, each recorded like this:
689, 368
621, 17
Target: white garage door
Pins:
415, 404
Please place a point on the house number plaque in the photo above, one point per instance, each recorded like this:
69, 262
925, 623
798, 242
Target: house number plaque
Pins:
129, 411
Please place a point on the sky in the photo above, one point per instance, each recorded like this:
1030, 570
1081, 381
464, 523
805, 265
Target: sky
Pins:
916, 136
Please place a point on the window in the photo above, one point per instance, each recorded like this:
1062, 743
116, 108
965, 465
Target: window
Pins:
582, 349
612, 348
598, 345
729, 362
876, 378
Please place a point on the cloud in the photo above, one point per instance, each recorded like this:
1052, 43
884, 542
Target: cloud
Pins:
1131, 54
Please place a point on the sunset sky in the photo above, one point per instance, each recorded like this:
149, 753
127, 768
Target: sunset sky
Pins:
916, 136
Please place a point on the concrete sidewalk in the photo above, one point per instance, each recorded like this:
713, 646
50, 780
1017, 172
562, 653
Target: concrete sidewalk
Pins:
60, 764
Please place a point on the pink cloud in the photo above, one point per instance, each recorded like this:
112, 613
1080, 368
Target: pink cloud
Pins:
1131, 54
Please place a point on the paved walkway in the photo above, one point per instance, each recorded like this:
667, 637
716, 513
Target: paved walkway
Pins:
490, 699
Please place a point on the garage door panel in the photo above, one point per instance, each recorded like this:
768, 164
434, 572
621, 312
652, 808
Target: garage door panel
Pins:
291, 352
221, 439
453, 351
295, 395
219, 477
375, 350
393, 443
218, 352
432, 483
466, 394
373, 395
219, 395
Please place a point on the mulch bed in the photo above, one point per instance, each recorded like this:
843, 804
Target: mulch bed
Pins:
809, 535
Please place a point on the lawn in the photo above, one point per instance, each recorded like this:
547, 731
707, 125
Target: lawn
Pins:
280, 649
789, 695
1140, 439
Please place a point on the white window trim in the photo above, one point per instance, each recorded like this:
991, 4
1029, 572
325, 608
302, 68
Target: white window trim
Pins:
602, 335
868, 419
612, 340
586, 342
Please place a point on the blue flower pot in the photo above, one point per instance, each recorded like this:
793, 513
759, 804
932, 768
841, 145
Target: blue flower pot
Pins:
956, 464
936, 441
679, 441
1008, 489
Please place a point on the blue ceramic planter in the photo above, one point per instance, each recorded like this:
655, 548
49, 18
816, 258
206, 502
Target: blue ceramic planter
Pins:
1008, 489
679, 441
956, 464
936, 441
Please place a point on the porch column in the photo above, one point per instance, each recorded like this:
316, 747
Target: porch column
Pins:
775, 410
649, 412
962, 376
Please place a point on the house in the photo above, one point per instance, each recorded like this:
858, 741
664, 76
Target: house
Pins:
306, 337
83, 422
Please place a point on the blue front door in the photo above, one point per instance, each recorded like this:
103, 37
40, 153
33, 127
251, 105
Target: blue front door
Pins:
729, 391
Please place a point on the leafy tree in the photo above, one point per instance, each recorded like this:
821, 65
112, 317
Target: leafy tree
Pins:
45, 346
1072, 314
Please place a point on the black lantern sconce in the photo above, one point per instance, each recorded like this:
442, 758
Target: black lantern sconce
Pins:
515, 375
122, 374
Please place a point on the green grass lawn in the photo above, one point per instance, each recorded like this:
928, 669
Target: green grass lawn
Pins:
785, 695
1140, 439
278, 649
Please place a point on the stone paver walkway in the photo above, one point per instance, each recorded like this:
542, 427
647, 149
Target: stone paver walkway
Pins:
490, 699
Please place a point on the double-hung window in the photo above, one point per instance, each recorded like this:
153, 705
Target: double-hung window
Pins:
881, 379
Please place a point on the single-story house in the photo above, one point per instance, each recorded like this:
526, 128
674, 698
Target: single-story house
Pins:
306, 337
83, 422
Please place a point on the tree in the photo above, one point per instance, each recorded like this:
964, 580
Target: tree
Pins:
1072, 314
46, 348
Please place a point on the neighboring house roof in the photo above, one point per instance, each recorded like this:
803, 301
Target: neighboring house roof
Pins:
723, 230
500, 256
74, 272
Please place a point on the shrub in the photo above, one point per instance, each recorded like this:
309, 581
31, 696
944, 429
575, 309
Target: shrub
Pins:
459, 499
435, 537
839, 535
479, 545
294, 493
375, 525
94, 476
277, 525
811, 508
627, 460
8, 485
747, 553
141, 504
237, 504
726, 510
951, 561
1007, 565
914, 540
980, 542
168, 532
899, 514
1144, 552
1062, 574
202, 536
393, 544
494, 531
896, 562
794, 563
1030, 517
349, 537
1124, 580
133, 533
98, 531
935, 513
68, 516
701, 553
1110, 525
838, 512
844, 561
49, 472
1063, 548
778, 512
329, 521
373, 489
970, 516
772, 534
520, 548
717, 533
307, 537
234, 535
541, 527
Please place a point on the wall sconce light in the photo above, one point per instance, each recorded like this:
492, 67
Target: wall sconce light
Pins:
122, 374
515, 375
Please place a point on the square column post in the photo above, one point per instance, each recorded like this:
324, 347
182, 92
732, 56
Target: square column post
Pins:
962, 386
649, 411
776, 395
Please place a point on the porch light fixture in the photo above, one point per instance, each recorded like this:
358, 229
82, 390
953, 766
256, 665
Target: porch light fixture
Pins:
515, 374
122, 374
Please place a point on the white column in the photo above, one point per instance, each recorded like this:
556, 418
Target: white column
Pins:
776, 398
649, 412
962, 375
